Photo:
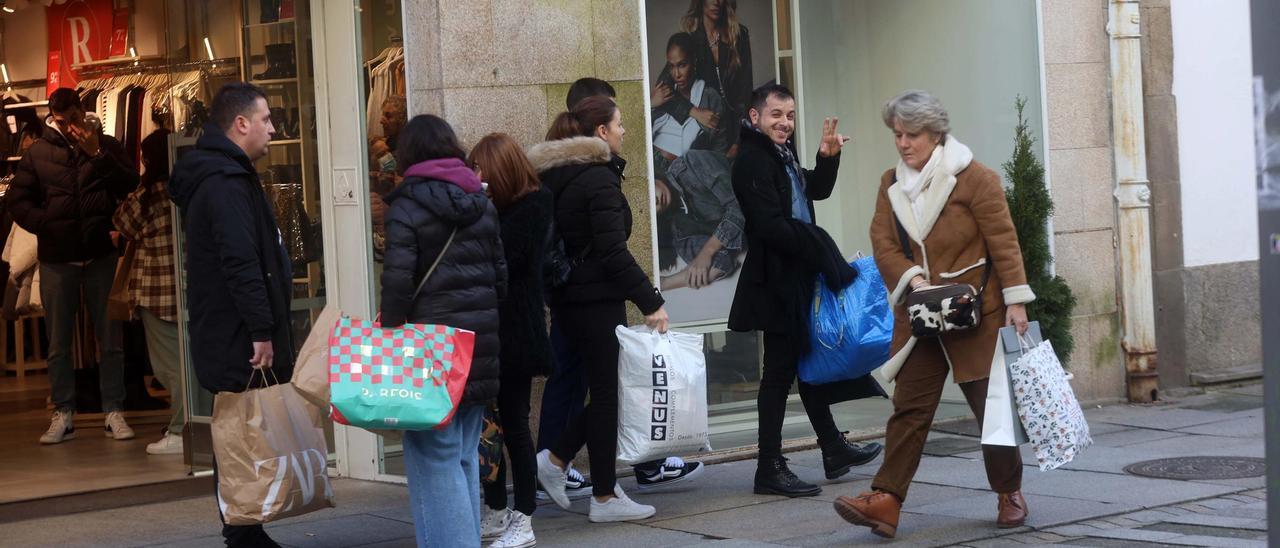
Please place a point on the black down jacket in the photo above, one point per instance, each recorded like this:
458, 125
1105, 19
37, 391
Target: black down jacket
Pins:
435, 198
526, 350
66, 198
238, 273
594, 219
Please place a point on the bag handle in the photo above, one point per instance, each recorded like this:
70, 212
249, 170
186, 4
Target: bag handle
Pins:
817, 309
423, 283
255, 371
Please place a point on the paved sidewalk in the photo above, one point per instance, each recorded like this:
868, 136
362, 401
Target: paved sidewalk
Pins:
1091, 502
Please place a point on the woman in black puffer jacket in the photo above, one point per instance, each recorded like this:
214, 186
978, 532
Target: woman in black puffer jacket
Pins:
580, 165
524, 211
441, 196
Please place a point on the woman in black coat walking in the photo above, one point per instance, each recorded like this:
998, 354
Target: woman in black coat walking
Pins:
524, 212
440, 213
580, 164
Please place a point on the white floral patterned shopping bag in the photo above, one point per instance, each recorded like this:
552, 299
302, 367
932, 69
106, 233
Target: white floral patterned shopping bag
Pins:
1048, 407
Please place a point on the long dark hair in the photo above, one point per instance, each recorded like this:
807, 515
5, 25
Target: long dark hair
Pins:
582, 121
729, 27
426, 137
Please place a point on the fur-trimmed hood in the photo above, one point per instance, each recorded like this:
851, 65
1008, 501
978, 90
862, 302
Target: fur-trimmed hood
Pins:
568, 152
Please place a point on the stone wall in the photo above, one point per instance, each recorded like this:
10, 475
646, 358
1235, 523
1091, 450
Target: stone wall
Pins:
1081, 170
506, 65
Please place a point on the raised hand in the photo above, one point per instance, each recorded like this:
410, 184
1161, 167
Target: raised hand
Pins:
832, 142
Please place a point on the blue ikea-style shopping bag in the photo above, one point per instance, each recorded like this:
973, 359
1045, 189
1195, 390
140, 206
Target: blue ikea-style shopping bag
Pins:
849, 331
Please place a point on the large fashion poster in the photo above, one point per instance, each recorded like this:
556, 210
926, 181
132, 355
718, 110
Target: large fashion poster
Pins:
705, 57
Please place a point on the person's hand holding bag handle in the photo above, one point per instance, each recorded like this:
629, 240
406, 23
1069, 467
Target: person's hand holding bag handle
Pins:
658, 320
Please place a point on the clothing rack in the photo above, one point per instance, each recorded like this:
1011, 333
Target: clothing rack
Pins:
231, 65
25, 84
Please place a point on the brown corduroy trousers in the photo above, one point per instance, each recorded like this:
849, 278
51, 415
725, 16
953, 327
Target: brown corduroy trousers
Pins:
917, 392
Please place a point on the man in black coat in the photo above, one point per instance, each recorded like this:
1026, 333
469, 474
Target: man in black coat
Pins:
238, 273
786, 253
65, 190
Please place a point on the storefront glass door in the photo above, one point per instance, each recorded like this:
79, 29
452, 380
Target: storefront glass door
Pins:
267, 44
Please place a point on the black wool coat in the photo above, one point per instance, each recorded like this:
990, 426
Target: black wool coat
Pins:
66, 198
465, 289
526, 350
785, 255
239, 281
593, 218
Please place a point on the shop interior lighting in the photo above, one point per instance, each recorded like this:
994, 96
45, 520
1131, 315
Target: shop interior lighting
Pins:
208, 48
8, 9
4, 70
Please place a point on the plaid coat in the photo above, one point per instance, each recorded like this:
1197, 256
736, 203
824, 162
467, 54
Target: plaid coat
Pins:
145, 217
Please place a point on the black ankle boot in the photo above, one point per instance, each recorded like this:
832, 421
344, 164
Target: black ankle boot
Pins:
773, 477
838, 456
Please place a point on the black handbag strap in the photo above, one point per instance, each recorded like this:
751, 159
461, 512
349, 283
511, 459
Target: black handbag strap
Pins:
902, 238
423, 283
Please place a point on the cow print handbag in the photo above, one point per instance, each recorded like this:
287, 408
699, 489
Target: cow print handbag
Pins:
937, 309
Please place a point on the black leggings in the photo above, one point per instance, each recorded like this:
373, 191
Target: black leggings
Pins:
591, 336
780, 366
513, 413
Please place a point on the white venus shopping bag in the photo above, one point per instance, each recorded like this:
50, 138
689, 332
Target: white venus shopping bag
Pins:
662, 395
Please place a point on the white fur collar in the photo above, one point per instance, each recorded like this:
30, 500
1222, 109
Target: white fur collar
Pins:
567, 152
953, 157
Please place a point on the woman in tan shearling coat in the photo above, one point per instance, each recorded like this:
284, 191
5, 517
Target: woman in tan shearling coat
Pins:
955, 219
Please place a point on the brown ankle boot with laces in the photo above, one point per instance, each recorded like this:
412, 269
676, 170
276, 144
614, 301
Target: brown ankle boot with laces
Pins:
1013, 510
875, 509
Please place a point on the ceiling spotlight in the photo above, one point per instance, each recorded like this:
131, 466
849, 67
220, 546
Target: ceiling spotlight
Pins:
7, 9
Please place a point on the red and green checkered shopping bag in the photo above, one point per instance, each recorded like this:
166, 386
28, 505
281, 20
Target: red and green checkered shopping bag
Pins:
403, 378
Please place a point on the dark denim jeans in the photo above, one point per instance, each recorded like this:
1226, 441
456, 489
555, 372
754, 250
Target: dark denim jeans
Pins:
60, 289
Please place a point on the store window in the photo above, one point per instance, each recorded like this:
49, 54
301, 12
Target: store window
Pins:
842, 59
267, 44
146, 71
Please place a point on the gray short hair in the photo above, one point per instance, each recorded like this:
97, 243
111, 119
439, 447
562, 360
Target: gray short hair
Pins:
917, 110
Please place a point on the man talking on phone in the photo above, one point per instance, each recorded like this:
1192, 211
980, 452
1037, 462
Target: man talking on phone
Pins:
65, 190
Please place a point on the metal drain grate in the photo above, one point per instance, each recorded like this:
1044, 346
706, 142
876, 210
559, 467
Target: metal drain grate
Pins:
1200, 468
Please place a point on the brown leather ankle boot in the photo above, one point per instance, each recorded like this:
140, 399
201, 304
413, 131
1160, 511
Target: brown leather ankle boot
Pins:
1013, 510
875, 509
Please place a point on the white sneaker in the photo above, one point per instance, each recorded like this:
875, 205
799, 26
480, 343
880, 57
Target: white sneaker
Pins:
116, 428
553, 479
493, 523
170, 444
619, 508
61, 428
519, 534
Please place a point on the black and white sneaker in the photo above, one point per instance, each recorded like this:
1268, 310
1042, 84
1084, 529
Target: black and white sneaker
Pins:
576, 486
669, 472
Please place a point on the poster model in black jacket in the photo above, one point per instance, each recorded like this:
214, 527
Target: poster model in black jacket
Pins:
238, 272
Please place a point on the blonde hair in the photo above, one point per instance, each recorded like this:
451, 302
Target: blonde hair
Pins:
693, 17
